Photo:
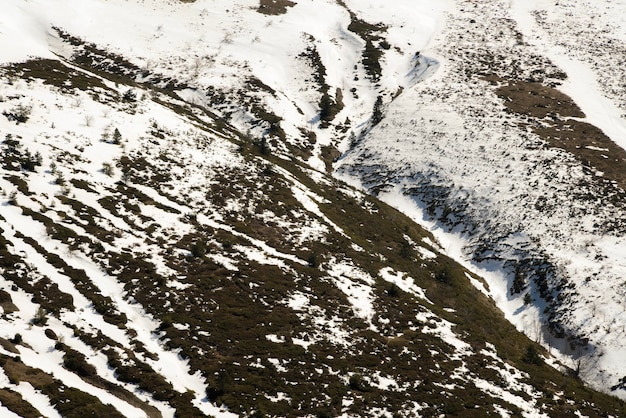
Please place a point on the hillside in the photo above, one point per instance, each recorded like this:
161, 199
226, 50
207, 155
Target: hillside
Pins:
175, 240
514, 152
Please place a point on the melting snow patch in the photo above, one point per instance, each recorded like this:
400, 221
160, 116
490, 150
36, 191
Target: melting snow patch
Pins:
318, 316
477, 284
302, 343
280, 396
356, 284
504, 413
298, 301
259, 256
528, 407
277, 365
443, 329
426, 253
224, 261
181, 327
596, 148
433, 244
275, 338
38, 400
404, 282
383, 382
178, 285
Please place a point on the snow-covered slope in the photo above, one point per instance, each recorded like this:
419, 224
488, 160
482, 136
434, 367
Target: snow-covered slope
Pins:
172, 244
515, 174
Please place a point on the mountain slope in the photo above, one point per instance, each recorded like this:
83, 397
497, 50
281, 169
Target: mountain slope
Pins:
168, 247
494, 150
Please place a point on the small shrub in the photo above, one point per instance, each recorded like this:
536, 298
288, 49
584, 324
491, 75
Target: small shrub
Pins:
393, 290
405, 250
129, 96
313, 261
262, 146
107, 169
444, 275
13, 198
527, 299
377, 112
75, 361
117, 137
532, 356
198, 249
19, 114
41, 317
30, 162
357, 382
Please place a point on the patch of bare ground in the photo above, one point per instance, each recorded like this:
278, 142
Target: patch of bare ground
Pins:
274, 7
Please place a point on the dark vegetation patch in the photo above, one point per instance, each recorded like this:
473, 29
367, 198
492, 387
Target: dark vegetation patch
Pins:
90, 219
20, 183
132, 193
271, 123
240, 371
82, 184
57, 74
257, 85
14, 402
9, 345
116, 68
274, 7
6, 303
537, 100
129, 369
329, 155
44, 292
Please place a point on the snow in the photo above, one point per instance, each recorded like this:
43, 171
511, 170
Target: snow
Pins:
404, 282
443, 329
429, 128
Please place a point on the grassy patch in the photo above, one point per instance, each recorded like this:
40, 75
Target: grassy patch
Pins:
14, 402
55, 73
274, 7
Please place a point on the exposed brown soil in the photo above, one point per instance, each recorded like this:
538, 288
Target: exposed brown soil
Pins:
274, 7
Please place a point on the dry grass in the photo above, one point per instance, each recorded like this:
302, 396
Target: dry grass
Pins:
274, 7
